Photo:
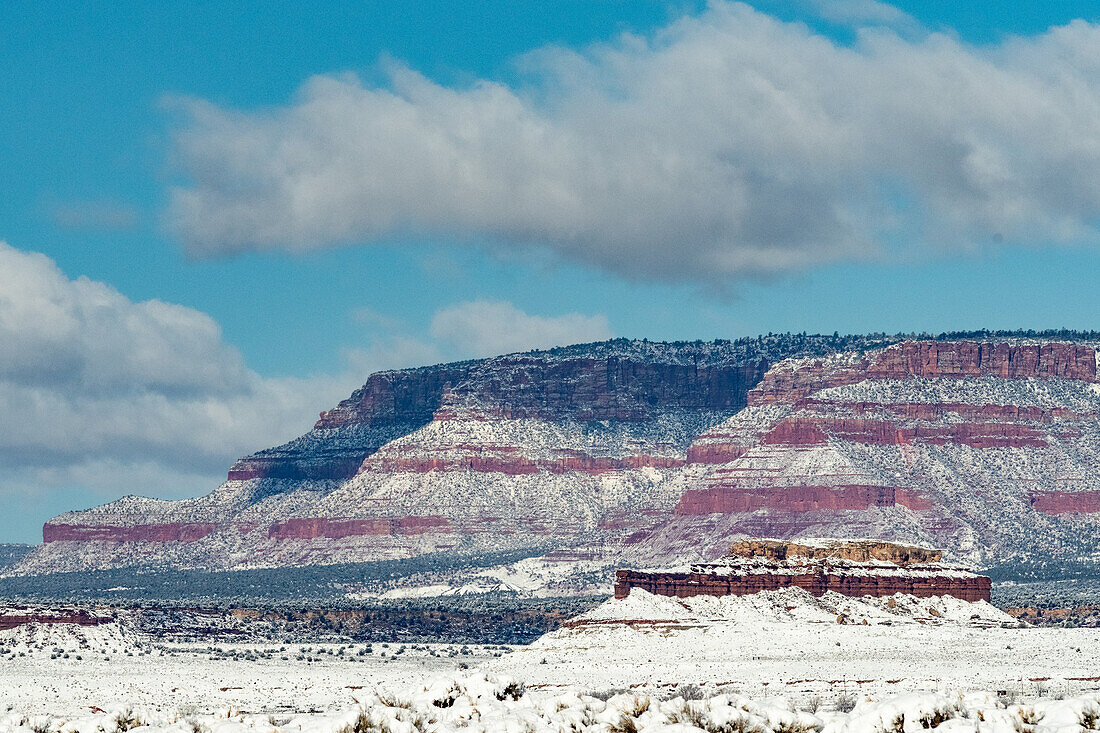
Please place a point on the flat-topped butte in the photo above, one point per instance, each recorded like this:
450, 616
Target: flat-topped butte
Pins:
852, 567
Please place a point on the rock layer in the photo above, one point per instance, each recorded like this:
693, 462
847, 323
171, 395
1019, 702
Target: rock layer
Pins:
167, 532
638, 452
852, 568
685, 585
14, 616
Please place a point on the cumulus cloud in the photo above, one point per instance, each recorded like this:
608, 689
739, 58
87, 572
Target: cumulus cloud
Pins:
107, 396
864, 12
488, 328
392, 351
726, 144
94, 385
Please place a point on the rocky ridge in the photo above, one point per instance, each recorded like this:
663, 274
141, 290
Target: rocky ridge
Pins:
649, 453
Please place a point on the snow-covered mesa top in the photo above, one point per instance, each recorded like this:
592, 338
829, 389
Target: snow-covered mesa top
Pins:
794, 606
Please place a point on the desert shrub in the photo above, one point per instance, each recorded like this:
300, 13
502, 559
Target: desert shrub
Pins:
742, 724
1026, 719
1028, 715
690, 692
127, 720
897, 725
934, 718
639, 704
392, 701
609, 693
361, 724
625, 724
687, 714
449, 698
1089, 719
512, 691
696, 715
846, 703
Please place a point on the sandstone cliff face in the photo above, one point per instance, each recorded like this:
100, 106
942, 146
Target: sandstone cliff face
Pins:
167, 532
12, 616
920, 441
686, 585
1067, 502
853, 568
652, 453
930, 359
840, 497
858, 551
584, 387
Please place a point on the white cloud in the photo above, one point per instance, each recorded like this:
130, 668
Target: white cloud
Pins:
727, 144
108, 396
864, 13
488, 328
372, 318
392, 351
92, 384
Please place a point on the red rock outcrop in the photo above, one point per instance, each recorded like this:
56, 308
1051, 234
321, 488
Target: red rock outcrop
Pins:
527, 386
168, 532
259, 467
854, 550
950, 359
550, 444
816, 429
685, 585
546, 386
508, 460
795, 499
11, 618
1066, 502
307, 528
850, 567
976, 359
409, 396
714, 452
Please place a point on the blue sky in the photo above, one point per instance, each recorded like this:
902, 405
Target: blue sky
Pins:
125, 144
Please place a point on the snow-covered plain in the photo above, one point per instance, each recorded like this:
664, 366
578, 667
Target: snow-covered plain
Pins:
773, 661
64, 670
479, 702
791, 644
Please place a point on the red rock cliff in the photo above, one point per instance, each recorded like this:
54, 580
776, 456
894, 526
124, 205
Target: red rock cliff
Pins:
948, 359
167, 532
850, 567
685, 585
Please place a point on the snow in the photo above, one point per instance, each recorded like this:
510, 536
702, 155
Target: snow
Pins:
799, 565
769, 662
499, 704
31, 636
796, 605
63, 669
1047, 393
790, 642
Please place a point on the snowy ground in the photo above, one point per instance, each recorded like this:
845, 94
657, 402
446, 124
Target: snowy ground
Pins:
778, 661
501, 705
64, 670
791, 644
